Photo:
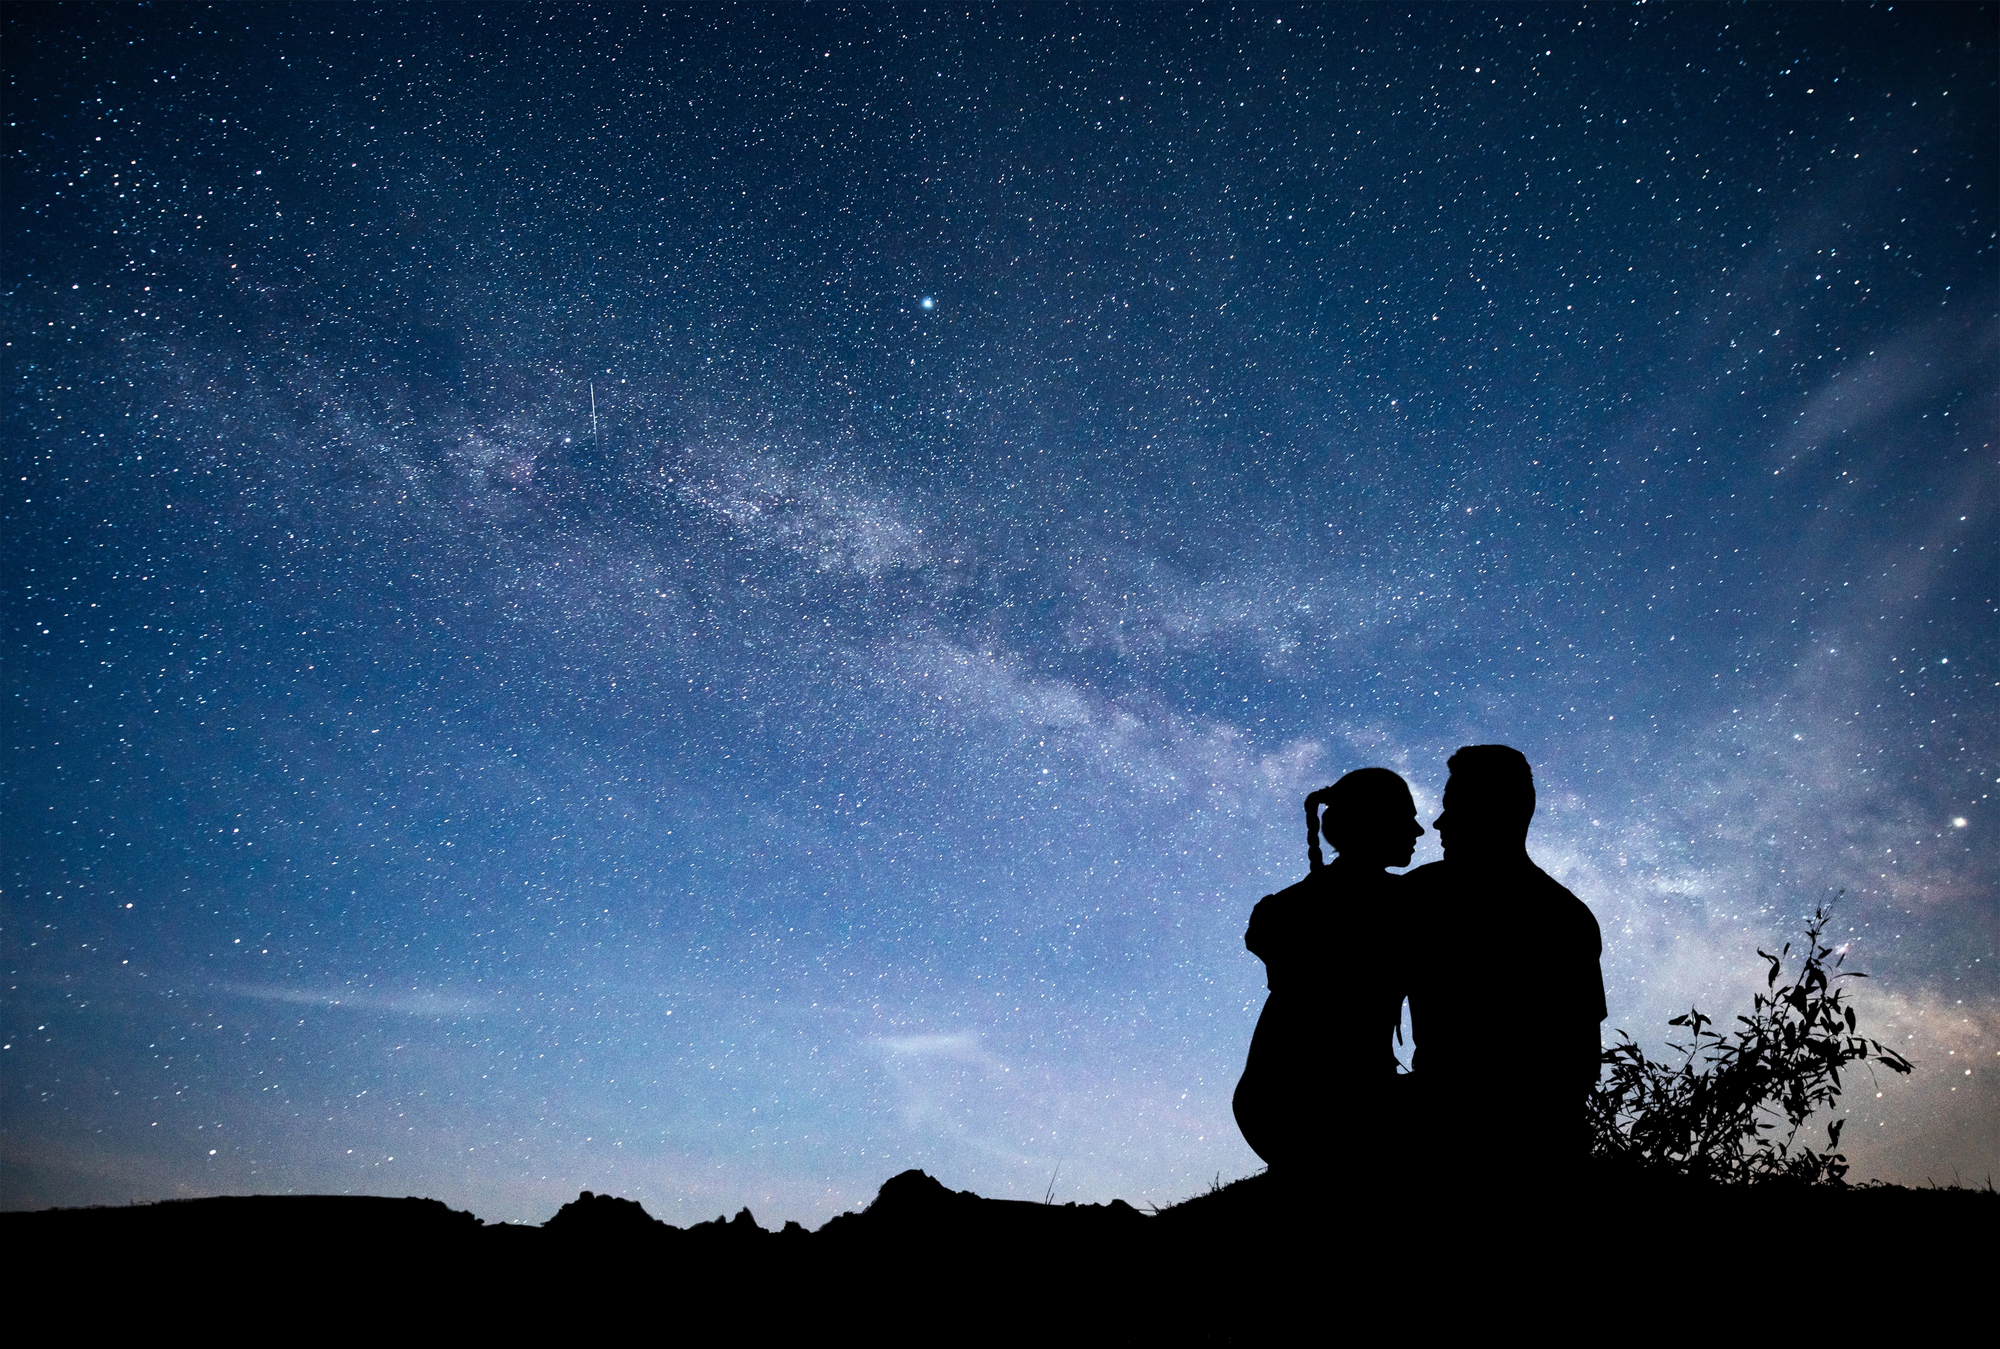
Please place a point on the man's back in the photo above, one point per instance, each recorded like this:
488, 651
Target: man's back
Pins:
1504, 978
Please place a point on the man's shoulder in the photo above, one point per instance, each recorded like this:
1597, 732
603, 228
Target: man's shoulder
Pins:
1564, 901
1548, 884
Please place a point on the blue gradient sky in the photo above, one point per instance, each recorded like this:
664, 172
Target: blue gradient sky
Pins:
1032, 449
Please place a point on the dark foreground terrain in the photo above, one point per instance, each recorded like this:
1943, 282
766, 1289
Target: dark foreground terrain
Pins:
1248, 1261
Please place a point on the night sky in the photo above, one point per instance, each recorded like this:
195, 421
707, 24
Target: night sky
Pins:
1030, 450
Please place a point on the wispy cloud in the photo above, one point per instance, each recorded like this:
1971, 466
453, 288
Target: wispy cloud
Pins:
402, 1002
1878, 389
962, 1045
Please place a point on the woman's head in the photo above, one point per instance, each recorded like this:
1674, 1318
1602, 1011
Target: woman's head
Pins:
1369, 819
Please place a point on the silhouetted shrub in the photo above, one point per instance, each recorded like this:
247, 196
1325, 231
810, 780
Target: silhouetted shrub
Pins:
1731, 1108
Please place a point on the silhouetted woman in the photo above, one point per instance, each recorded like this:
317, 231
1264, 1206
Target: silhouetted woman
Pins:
1332, 960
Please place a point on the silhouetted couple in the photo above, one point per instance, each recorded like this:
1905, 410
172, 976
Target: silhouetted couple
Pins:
1499, 964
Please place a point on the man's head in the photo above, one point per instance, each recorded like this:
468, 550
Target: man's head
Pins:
1488, 802
1371, 819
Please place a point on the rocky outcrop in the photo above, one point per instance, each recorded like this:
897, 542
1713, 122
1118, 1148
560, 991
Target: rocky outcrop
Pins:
913, 1209
603, 1217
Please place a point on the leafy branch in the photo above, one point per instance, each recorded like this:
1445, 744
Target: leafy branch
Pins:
1731, 1108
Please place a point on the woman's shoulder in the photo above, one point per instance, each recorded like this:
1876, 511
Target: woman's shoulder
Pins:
1278, 914
1299, 894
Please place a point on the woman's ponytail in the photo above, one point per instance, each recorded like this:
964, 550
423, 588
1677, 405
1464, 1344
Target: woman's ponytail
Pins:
1314, 801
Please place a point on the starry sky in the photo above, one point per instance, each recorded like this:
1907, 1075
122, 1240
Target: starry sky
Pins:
712, 604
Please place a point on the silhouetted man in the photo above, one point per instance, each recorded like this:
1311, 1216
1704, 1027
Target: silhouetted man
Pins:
1320, 1062
1505, 991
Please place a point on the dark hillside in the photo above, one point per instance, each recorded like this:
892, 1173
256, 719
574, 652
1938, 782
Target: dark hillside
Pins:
1249, 1255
